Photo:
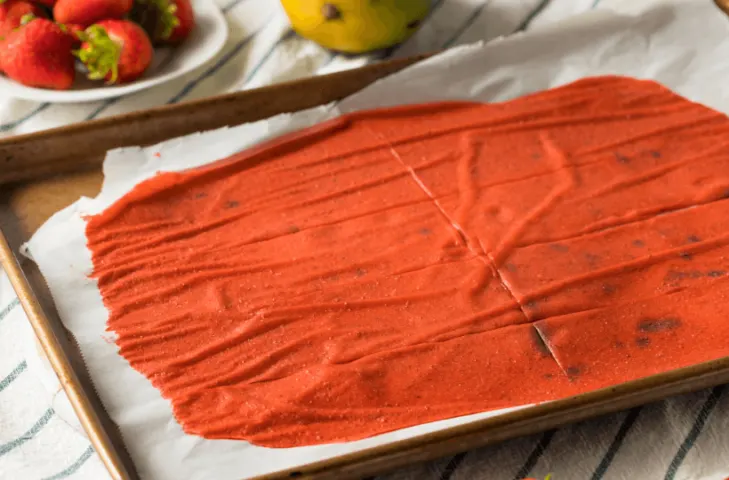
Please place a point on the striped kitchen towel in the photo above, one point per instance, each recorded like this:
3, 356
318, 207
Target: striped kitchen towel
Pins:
683, 438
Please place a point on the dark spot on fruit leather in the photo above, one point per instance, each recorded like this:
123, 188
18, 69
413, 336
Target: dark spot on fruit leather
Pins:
650, 325
621, 158
693, 239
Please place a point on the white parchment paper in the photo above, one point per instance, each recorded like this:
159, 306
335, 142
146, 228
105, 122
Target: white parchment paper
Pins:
640, 41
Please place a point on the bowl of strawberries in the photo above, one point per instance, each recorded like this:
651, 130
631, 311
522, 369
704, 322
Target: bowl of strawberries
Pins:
88, 50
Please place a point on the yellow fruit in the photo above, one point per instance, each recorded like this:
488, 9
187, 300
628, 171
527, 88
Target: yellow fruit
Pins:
356, 26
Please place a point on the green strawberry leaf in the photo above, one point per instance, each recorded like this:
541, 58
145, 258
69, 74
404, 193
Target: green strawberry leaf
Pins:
27, 18
100, 53
167, 10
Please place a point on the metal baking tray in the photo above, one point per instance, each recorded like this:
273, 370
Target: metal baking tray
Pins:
44, 172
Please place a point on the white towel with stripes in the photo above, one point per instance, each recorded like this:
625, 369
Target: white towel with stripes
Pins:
679, 439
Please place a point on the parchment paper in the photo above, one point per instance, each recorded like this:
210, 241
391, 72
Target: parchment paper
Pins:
631, 43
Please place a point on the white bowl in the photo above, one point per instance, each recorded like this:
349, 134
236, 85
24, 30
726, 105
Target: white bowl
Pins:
208, 38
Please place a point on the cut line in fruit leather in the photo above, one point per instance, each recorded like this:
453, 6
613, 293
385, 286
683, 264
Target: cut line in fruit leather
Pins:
638, 45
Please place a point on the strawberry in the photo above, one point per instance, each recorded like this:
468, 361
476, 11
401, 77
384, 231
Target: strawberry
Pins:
75, 31
12, 11
116, 50
38, 54
186, 22
88, 12
166, 21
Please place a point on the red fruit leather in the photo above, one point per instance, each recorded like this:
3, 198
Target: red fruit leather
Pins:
401, 266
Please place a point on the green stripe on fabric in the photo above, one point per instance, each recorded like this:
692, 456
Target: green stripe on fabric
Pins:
283, 38
536, 454
452, 466
6, 127
13, 375
74, 467
688, 443
467, 23
534, 14
5, 311
29, 434
617, 442
230, 6
222, 61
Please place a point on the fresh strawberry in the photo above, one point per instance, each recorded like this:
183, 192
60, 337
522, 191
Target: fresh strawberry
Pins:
38, 54
186, 17
157, 17
88, 12
165, 21
12, 11
118, 51
76, 31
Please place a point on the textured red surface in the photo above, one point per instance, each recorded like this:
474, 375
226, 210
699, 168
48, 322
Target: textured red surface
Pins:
401, 266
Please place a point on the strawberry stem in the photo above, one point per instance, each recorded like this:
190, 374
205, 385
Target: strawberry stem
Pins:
100, 53
167, 16
27, 18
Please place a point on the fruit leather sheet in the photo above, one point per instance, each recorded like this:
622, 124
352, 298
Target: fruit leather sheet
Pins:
641, 43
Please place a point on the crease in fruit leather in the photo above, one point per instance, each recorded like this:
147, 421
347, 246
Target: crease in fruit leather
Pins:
499, 71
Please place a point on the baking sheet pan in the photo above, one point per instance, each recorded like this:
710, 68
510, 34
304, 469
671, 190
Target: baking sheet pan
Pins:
43, 173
